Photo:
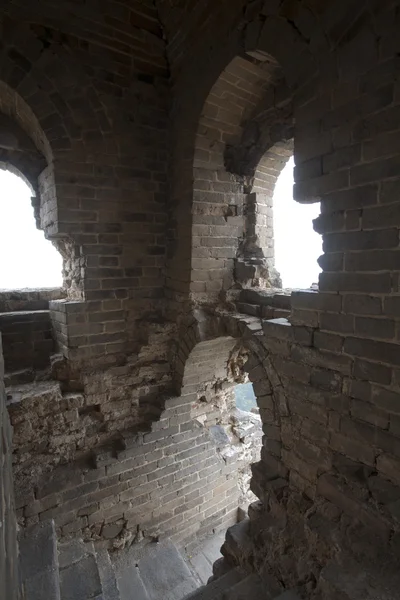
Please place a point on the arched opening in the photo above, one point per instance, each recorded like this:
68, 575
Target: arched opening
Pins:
215, 377
297, 246
216, 359
243, 142
255, 266
229, 143
27, 259
26, 151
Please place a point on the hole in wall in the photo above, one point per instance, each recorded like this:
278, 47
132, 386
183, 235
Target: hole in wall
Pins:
27, 259
297, 245
245, 398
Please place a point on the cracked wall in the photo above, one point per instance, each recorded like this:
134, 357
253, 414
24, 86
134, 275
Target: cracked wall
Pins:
324, 364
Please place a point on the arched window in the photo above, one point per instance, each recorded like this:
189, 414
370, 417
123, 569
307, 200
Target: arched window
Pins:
27, 259
297, 245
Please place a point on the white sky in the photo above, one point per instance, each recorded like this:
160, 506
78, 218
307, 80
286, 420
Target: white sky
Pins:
297, 245
27, 259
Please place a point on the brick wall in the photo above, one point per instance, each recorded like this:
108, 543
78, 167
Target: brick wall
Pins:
147, 484
340, 64
9, 580
86, 90
326, 379
27, 339
27, 333
169, 479
83, 96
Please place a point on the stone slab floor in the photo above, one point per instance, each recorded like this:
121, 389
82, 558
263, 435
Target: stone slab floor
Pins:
202, 557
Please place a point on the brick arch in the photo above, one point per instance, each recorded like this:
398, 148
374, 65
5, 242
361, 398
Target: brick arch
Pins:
46, 92
306, 40
20, 120
207, 346
229, 136
218, 335
255, 262
18, 152
55, 103
26, 151
257, 66
271, 166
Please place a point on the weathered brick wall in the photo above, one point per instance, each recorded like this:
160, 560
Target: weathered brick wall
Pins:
326, 380
27, 339
92, 102
28, 300
9, 580
88, 89
27, 333
146, 484
330, 430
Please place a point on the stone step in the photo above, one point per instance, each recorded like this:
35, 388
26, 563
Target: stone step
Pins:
79, 573
39, 562
237, 541
108, 579
75, 570
23, 316
274, 298
29, 299
221, 567
129, 582
26, 396
269, 312
20, 377
153, 571
249, 309
215, 589
282, 301
249, 588
288, 595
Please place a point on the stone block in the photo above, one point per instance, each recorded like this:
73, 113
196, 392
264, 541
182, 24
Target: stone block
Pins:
352, 448
337, 323
382, 352
39, 560
375, 328
366, 412
362, 304
308, 318
355, 282
389, 466
371, 371
328, 341
80, 580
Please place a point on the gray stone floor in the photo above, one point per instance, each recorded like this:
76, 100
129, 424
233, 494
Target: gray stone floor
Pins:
201, 559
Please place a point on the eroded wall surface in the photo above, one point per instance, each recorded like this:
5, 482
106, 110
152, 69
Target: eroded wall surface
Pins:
145, 190
9, 580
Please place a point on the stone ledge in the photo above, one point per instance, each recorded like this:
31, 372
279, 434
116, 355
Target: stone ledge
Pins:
29, 299
280, 328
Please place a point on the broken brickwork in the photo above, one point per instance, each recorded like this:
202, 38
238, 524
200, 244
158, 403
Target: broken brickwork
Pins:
153, 133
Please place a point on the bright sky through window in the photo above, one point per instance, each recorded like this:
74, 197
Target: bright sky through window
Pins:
27, 259
297, 245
